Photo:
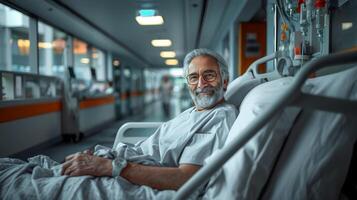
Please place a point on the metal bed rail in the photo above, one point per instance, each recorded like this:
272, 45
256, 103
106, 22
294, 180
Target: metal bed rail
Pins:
293, 96
131, 125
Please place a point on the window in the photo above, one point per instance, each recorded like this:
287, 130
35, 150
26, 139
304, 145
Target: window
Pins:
14, 40
98, 63
52, 50
110, 64
81, 59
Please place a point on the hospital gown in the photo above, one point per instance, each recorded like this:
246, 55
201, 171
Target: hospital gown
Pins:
187, 139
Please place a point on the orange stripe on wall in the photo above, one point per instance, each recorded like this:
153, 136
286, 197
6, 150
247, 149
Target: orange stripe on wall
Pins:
136, 93
96, 102
123, 96
24, 111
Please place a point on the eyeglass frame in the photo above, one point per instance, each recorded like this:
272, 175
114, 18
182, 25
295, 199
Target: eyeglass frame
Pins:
207, 71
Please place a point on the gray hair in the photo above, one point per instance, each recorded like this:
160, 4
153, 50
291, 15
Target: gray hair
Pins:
222, 64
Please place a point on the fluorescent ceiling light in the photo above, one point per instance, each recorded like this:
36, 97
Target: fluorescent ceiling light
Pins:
161, 43
116, 63
346, 25
167, 54
150, 20
171, 62
45, 45
147, 12
85, 60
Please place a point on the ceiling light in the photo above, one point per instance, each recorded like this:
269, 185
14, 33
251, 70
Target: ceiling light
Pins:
150, 20
167, 54
116, 63
346, 25
161, 43
45, 45
171, 62
147, 12
85, 60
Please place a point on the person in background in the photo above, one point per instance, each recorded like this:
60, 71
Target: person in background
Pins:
109, 88
165, 94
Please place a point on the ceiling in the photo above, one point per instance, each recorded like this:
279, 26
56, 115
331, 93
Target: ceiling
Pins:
117, 19
111, 25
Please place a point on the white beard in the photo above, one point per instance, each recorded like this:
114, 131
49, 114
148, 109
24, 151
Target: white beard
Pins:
207, 101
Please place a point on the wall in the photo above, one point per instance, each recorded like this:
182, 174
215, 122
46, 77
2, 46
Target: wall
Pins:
95, 113
19, 135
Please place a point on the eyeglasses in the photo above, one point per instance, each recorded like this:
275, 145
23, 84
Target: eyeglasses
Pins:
208, 76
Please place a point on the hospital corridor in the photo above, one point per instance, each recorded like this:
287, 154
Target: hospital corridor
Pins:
178, 99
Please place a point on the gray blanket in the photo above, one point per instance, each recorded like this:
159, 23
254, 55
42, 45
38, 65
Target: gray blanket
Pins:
40, 178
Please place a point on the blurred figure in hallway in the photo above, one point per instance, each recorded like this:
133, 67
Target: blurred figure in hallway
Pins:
165, 93
185, 99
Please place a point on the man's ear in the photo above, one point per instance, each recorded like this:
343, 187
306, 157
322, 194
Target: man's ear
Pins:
225, 84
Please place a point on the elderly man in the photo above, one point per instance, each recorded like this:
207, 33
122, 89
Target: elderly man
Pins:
180, 145
151, 169
164, 161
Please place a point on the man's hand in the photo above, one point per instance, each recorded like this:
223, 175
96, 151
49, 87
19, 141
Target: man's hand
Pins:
81, 164
88, 151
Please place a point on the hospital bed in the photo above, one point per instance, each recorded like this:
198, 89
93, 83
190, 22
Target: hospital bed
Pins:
308, 161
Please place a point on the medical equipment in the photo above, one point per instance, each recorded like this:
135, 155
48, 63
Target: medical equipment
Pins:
305, 29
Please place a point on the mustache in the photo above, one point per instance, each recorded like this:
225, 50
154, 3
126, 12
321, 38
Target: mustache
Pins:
208, 89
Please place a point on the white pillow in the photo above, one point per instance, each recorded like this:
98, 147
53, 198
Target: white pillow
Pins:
244, 175
239, 88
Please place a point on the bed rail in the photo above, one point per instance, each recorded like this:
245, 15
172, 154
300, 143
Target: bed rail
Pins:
131, 125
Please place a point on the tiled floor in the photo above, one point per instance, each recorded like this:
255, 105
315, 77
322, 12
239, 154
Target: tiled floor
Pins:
106, 136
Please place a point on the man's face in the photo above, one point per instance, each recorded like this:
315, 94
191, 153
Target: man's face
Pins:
204, 81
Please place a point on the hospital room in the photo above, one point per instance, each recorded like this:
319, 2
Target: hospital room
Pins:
178, 99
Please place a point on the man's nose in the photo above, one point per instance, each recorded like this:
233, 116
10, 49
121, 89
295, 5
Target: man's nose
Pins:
201, 82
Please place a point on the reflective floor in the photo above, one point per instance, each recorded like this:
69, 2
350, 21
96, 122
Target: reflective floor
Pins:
152, 112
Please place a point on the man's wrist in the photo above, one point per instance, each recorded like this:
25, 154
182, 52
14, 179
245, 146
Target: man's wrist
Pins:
104, 167
125, 172
118, 164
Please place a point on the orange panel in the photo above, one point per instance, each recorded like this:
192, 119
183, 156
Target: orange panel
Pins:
96, 102
252, 44
136, 93
123, 96
24, 111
